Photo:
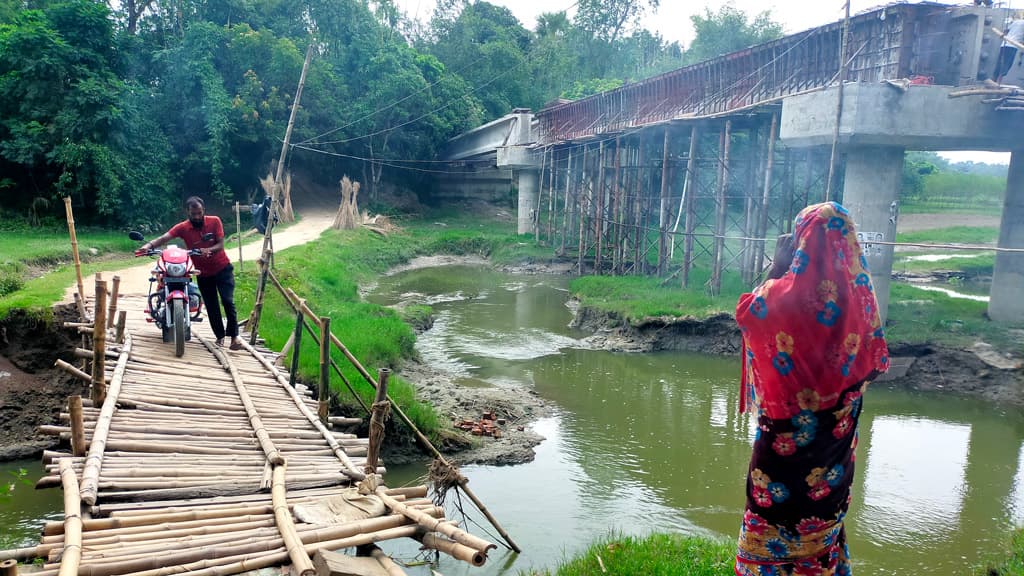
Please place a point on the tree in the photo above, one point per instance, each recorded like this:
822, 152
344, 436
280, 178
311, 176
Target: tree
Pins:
607, 20
488, 47
729, 30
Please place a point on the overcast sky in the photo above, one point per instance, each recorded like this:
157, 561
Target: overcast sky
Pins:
672, 21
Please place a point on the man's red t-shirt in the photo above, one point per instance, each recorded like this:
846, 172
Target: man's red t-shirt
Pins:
193, 237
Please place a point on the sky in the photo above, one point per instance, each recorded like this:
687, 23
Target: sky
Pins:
672, 21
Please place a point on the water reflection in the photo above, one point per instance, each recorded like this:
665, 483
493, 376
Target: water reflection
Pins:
1016, 502
915, 481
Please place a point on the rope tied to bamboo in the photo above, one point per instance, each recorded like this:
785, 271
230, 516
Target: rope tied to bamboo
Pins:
380, 413
444, 476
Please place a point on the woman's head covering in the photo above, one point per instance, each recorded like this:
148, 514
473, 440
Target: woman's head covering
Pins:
815, 331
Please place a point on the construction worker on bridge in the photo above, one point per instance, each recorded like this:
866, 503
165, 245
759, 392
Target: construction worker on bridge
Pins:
1014, 33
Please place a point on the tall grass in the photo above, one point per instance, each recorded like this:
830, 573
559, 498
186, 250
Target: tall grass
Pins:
1013, 565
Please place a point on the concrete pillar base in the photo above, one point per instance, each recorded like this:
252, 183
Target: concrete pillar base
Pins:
528, 187
871, 192
1005, 301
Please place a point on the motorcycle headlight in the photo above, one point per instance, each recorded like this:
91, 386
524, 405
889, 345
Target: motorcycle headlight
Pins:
176, 269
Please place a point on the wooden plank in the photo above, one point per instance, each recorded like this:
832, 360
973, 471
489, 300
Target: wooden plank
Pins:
329, 563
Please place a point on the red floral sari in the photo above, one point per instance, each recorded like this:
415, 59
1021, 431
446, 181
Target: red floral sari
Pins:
811, 340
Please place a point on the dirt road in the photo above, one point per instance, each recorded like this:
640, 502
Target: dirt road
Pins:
135, 280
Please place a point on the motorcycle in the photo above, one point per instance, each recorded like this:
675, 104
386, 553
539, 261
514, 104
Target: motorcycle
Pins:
172, 291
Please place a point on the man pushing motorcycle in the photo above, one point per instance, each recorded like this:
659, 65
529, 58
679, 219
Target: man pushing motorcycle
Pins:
216, 274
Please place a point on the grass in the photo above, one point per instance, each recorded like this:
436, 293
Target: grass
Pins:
918, 316
952, 235
653, 555
634, 298
1014, 563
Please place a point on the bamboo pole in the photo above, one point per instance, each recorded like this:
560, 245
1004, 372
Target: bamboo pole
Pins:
77, 426
583, 196
720, 208
70, 215
436, 525
615, 222
599, 208
72, 553
844, 41
296, 338
377, 420
688, 202
122, 318
454, 549
268, 243
325, 372
112, 306
566, 220
663, 212
300, 560
238, 230
72, 370
9, 567
99, 343
91, 473
385, 561
762, 228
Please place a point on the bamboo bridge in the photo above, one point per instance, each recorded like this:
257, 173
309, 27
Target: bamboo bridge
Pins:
218, 463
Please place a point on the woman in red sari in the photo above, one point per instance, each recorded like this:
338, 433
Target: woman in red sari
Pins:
812, 339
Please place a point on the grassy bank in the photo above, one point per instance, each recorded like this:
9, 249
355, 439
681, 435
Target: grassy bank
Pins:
671, 554
652, 555
327, 274
36, 265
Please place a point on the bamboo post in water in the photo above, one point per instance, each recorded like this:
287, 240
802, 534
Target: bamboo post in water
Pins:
77, 425
112, 307
325, 367
377, 420
74, 252
238, 230
99, 344
297, 338
71, 557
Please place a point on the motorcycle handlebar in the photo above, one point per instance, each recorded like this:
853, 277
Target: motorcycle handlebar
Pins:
158, 251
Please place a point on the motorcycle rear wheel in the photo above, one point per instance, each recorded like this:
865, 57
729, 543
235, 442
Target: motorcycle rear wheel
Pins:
178, 317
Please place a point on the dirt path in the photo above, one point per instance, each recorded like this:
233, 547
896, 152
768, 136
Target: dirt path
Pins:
135, 280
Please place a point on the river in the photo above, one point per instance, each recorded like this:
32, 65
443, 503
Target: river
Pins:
645, 442
642, 442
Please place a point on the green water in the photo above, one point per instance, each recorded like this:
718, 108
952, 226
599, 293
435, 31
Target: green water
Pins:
23, 509
645, 442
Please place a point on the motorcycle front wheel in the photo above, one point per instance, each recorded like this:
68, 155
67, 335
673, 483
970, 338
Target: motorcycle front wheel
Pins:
178, 317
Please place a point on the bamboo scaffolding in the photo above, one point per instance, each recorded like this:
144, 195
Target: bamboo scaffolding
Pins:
454, 549
90, 476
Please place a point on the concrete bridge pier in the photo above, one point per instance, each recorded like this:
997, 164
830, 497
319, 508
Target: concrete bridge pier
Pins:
528, 182
874, 176
1005, 302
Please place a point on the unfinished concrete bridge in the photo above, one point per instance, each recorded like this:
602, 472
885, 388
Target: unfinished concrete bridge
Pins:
689, 172
218, 463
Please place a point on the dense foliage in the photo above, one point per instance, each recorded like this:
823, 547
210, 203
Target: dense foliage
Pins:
931, 183
128, 107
